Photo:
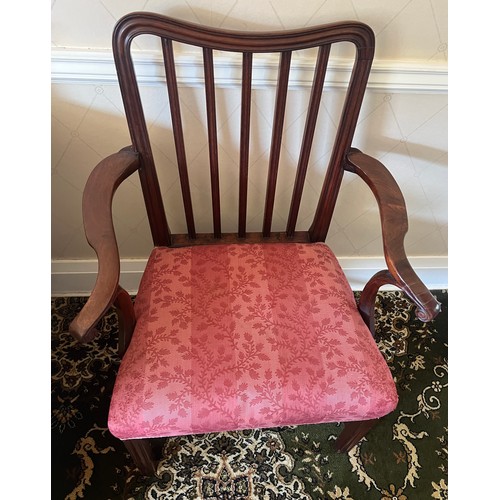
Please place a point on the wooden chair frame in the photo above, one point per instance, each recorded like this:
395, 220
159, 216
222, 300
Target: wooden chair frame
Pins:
109, 173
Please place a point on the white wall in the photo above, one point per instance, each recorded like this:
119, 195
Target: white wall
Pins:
403, 121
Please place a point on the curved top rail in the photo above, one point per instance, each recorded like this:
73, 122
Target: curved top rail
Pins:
142, 23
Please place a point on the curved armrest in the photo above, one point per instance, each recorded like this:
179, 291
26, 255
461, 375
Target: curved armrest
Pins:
394, 227
97, 220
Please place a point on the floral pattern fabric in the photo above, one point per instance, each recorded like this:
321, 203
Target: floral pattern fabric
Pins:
404, 455
233, 337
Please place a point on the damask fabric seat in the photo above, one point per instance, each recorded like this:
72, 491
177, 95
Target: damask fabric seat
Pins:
239, 336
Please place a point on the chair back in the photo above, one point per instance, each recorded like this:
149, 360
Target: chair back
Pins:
212, 42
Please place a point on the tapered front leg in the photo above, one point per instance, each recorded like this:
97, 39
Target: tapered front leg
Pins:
352, 433
142, 455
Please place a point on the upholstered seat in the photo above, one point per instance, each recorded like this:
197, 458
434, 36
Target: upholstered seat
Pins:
243, 336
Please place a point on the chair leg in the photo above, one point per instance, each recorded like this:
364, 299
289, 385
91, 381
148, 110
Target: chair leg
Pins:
368, 295
352, 433
142, 455
126, 319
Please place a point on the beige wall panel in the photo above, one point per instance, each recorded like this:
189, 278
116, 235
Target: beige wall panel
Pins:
405, 130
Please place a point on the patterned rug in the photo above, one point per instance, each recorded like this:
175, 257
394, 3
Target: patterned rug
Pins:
404, 457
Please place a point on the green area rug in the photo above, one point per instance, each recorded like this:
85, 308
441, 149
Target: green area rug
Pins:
404, 457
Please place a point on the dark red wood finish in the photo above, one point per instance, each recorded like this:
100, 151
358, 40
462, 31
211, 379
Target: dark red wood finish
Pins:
394, 228
180, 149
246, 102
113, 170
142, 454
352, 433
98, 225
312, 115
247, 43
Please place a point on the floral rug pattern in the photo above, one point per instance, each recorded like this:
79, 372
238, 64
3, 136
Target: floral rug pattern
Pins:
404, 457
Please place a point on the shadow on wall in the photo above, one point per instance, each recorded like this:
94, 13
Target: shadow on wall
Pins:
86, 127
89, 124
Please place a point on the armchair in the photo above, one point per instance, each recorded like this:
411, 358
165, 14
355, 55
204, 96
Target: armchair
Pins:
243, 329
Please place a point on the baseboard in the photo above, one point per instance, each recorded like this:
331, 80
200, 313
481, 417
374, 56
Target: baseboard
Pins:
433, 271
77, 277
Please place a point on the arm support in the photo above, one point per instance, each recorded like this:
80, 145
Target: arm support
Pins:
394, 227
98, 225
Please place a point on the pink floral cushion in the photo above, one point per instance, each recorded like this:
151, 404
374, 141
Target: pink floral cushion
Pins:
246, 336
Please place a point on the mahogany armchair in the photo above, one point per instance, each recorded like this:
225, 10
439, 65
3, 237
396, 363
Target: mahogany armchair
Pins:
243, 330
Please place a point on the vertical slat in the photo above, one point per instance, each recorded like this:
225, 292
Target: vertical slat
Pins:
212, 138
312, 115
279, 114
345, 132
140, 141
175, 110
246, 94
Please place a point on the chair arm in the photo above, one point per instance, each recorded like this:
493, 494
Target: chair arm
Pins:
98, 224
394, 227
